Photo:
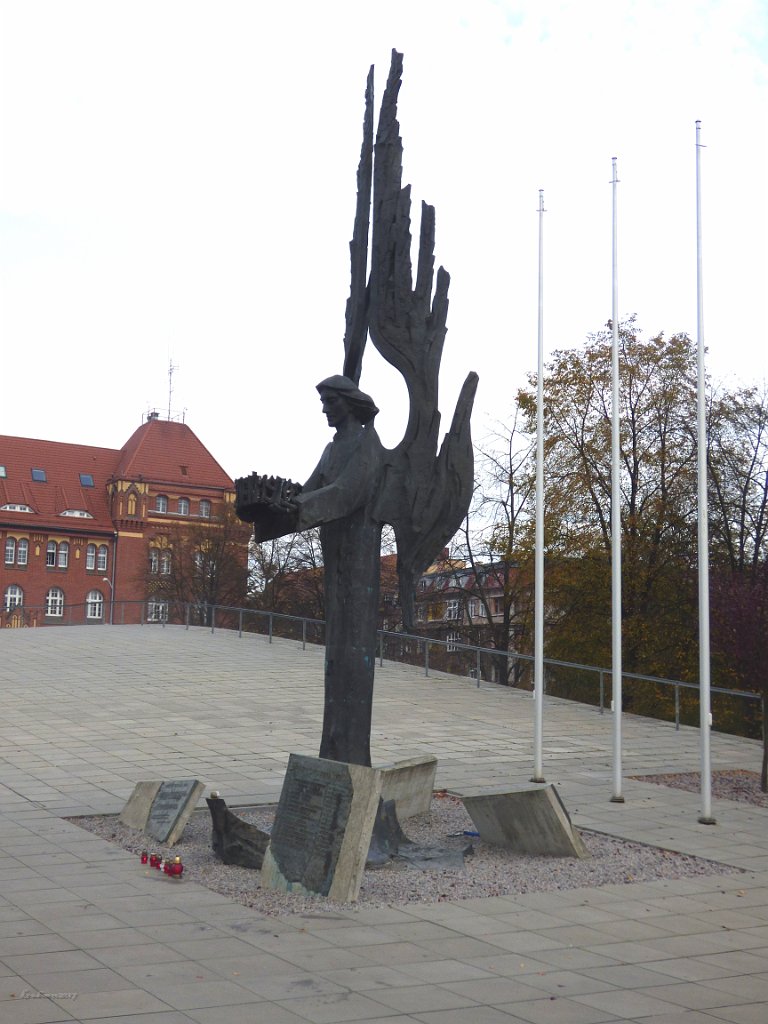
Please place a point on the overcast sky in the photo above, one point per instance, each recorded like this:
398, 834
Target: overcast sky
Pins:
177, 185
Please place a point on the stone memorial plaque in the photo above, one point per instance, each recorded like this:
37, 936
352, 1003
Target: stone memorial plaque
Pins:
322, 828
171, 809
135, 814
526, 819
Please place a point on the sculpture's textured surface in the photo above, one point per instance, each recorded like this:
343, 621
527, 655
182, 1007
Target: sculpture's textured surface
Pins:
358, 485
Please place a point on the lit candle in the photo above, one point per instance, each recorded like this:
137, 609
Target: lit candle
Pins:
144, 856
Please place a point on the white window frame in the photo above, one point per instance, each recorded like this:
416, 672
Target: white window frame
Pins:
451, 642
183, 506
54, 603
475, 606
161, 503
22, 551
453, 609
94, 605
14, 597
154, 561
90, 556
165, 562
62, 559
157, 609
205, 509
51, 554
10, 550
102, 558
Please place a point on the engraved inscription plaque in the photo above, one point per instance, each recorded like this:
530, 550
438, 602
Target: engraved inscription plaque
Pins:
311, 819
172, 800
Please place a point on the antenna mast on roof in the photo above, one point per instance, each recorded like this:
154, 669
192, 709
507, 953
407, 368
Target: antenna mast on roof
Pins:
171, 368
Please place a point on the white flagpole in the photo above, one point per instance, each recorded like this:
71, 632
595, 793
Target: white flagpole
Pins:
615, 514
705, 718
538, 667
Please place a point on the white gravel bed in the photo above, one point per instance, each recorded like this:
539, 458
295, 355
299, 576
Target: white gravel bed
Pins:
488, 870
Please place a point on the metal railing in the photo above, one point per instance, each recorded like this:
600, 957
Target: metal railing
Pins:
483, 664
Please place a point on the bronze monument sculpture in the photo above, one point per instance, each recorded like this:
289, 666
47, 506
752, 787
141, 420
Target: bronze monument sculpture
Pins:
358, 485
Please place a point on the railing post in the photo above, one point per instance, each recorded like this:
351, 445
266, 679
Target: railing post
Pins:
270, 627
303, 634
240, 624
602, 691
381, 648
677, 708
478, 668
426, 656
213, 617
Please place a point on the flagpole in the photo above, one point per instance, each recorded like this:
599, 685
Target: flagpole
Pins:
615, 512
705, 717
538, 667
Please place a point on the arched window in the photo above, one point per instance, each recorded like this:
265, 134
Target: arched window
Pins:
22, 552
90, 556
157, 610
54, 602
205, 509
161, 503
10, 551
50, 554
154, 560
131, 504
165, 563
183, 506
63, 555
14, 597
101, 561
94, 605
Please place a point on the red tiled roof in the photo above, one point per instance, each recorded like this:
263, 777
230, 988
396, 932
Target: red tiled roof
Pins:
62, 489
159, 449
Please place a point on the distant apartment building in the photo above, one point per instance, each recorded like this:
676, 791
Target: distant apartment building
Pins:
86, 530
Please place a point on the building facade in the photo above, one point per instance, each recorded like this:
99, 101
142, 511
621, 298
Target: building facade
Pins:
85, 530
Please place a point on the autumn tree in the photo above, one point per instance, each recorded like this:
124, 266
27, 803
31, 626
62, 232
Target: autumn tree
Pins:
658, 499
286, 575
496, 544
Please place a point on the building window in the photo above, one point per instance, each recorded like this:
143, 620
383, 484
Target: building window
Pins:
452, 608
10, 551
157, 610
50, 554
419, 612
452, 640
14, 597
498, 605
165, 563
3, 472
90, 556
183, 506
86, 480
77, 513
39, 476
474, 607
131, 504
154, 560
54, 602
14, 506
22, 552
63, 555
205, 509
161, 503
101, 561
94, 605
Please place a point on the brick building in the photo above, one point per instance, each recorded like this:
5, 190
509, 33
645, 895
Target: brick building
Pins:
84, 529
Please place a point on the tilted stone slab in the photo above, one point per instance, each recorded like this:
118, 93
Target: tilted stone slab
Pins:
527, 819
322, 829
135, 814
410, 783
162, 809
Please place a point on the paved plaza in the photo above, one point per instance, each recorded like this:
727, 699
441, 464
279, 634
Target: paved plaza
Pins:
85, 935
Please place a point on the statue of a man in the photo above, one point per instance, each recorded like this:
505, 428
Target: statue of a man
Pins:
340, 497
